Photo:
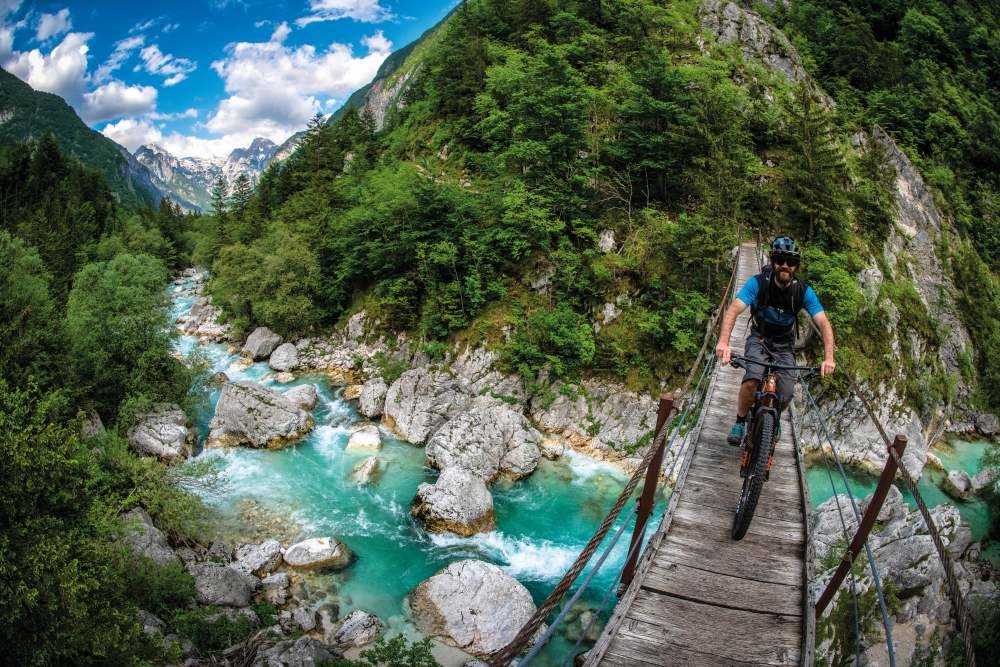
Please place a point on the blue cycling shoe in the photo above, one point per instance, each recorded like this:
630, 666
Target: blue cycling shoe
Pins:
736, 434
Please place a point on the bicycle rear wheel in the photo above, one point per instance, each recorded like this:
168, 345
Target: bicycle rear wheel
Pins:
753, 483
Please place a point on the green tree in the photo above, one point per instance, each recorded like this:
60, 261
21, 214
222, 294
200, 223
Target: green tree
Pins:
29, 326
118, 333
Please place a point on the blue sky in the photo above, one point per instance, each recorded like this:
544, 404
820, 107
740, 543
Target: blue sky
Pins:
204, 77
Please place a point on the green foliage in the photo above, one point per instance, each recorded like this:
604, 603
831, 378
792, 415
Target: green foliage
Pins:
63, 600
395, 652
28, 323
557, 340
118, 340
839, 623
210, 628
832, 276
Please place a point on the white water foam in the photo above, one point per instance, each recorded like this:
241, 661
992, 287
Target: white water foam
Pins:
520, 558
585, 468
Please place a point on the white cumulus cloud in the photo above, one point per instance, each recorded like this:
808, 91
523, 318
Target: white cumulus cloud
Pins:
50, 25
256, 106
115, 99
132, 133
365, 11
157, 62
63, 71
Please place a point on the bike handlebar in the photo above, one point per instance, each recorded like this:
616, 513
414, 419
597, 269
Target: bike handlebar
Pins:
740, 361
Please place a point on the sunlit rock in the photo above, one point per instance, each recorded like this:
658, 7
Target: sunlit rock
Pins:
458, 502
318, 553
250, 414
472, 605
260, 344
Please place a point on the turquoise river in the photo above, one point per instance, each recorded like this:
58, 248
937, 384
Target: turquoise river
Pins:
305, 490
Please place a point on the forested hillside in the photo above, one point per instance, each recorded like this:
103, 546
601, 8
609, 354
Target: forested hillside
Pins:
27, 114
549, 159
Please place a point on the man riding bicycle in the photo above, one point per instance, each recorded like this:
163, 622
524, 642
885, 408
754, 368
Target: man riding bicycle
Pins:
775, 297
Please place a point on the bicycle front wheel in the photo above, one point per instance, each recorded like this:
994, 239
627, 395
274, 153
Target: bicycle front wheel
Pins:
753, 483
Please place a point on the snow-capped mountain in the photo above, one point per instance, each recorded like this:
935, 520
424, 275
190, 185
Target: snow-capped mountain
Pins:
191, 179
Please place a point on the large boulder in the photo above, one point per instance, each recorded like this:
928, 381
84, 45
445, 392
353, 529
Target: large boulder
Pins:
162, 433
258, 559
284, 358
305, 651
318, 553
221, 585
305, 396
276, 588
358, 629
371, 401
420, 401
250, 414
472, 605
988, 424
365, 438
958, 484
984, 479
458, 502
145, 539
367, 471
260, 344
491, 440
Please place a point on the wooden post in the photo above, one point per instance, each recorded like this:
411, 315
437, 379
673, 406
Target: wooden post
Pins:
648, 492
867, 522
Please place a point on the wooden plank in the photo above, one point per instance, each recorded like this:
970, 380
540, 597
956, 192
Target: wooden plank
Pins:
729, 634
722, 590
730, 485
783, 482
755, 540
725, 501
770, 567
774, 529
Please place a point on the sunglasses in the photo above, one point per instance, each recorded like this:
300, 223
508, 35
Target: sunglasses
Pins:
779, 258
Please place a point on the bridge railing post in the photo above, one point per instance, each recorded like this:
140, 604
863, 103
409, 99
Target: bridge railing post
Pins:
646, 500
867, 523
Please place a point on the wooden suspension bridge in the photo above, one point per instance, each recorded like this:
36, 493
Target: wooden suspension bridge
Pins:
698, 596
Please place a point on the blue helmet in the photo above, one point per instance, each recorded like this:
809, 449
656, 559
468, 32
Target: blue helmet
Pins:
786, 245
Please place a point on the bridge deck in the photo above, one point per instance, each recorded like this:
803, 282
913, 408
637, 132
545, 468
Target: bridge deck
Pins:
700, 598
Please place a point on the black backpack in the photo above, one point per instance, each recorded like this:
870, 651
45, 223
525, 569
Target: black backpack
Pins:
773, 317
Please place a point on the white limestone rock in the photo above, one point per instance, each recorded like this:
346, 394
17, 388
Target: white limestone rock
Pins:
420, 401
958, 484
258, 559
472, 605
318, 553
306, 651
458, 502
284, 358
371, 400
276, 588
223, 586
305, 396
491, 440
358, 629
260, 344
162, 433
365, 438
145, 539
366, 472
251, 414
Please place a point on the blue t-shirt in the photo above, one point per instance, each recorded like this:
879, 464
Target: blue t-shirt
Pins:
778, 319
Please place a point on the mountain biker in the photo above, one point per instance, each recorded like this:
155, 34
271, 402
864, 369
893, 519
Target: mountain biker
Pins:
776, 297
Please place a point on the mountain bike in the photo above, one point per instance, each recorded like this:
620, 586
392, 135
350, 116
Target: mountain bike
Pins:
760, 437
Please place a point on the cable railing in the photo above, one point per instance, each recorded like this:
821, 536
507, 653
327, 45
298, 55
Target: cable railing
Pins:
649, 467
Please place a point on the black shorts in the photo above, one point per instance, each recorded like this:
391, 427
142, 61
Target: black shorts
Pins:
779, 353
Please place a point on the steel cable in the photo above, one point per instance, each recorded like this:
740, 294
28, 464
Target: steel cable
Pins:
961, 611
876, 577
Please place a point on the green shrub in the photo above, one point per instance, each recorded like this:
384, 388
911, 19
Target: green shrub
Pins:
395, 652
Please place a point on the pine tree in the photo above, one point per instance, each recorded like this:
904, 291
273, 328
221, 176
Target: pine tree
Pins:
814, 192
